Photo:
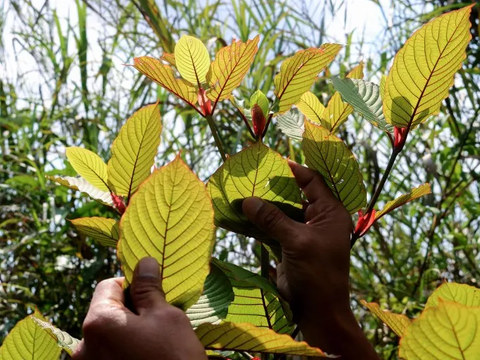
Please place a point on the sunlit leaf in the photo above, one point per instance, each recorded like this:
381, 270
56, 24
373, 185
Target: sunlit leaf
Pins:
64, 340
460, 293
89, 166
82, 185
329, 155
162, 74
291, 124
257, 301
230, 66
247, 337
424, 68
212, 307
170, 58
103, 230
446, 331
134, 150
192, 59
356, 72
299, 72
170, 218
403, 199
397, 322
261, 100
255, 171
336, 113
27, 341
365, 99
311, 107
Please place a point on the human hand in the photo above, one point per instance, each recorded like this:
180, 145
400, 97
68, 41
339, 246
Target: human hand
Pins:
157, 330
314, 273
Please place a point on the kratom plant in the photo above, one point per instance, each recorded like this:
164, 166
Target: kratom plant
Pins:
171, 215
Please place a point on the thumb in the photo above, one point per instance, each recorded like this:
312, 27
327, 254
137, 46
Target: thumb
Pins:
146, 290
268, 218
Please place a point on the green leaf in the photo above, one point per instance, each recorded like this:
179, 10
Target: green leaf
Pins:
257, 301
102, 230
364, 96
82, 185
89, 166
27, 341
192, 60
397, 322
336, 113
255, 171
424, 68
64, 340
261, 99
212, 307
170, 218
446, 331
230, 66
404, 199
163, 75
291, 124
312, 108
247, 337
134, 150
329, 155
459, 293
299, 72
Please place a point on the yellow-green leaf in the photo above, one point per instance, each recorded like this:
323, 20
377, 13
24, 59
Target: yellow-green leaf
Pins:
255, 171
403, 199
459, 293
397, 322
447, 331
212, 307
312, 108
64, 340
424, 68
89, 166
170, 218
162, 74
257, 301
261, 100
192, 59
82, 185
356, 72
336, 113
230, 66
299, 72
329, 155
170, 58
28, 341
103, 230
134, 150
247, 337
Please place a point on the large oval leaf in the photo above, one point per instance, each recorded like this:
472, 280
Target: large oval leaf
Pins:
229, 68
311, 107
329, 155
460, 293
212, 307
299, 72
257, 301
134, 150
89, 166
447, 331
247, 337
397, 322
255, 171
82, 185
64, 340
291, 124
103, 230
424, 68
192, 59
27, 341
170, 218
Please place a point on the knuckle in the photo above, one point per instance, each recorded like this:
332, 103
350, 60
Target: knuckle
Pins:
94, 325
172, 315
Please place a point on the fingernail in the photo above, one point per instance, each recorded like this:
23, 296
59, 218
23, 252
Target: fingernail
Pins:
254, 203
148, 267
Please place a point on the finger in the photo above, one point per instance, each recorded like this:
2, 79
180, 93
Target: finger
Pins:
107, 293
311, 183
268, 218
146, 289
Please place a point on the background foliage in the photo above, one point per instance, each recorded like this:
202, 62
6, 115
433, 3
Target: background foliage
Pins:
62, 87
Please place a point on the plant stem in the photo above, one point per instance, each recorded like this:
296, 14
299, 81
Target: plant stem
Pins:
217, 139
264, 262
